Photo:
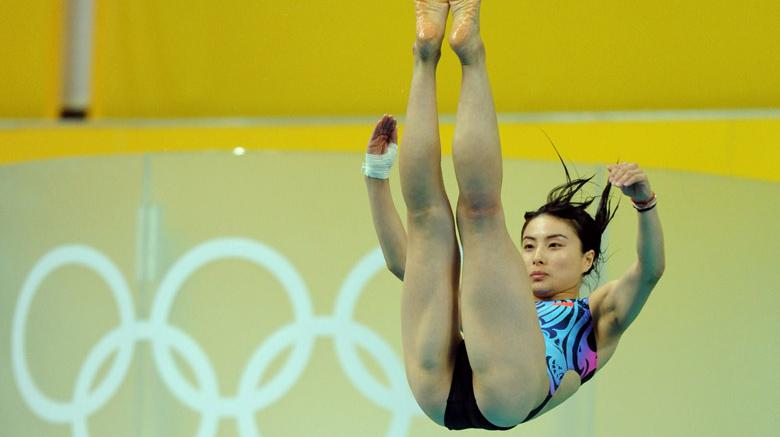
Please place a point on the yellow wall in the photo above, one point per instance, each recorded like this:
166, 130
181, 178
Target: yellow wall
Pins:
194, 58
742, 148
30, 32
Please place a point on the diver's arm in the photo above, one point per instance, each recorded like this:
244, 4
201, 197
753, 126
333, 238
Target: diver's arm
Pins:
620, 301
387, 223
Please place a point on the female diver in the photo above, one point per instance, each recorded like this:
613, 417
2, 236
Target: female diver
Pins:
508, 338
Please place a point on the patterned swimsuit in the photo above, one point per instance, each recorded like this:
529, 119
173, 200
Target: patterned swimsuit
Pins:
569, 341
570, 344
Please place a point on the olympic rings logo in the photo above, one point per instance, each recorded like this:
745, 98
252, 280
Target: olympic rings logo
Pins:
205, 397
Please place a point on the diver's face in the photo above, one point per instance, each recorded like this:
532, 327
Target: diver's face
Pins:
553, 256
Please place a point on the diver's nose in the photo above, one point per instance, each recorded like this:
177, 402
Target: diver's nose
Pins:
538, 256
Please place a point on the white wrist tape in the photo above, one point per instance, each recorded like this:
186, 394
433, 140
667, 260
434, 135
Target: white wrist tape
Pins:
379, 166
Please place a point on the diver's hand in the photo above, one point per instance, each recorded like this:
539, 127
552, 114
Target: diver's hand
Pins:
631, 180
385, 132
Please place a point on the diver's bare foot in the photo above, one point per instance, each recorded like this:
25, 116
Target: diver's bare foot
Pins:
431, 21
464, 37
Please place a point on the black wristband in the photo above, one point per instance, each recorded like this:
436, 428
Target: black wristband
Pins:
646, 209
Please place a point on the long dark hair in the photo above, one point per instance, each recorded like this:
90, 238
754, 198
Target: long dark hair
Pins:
561, 204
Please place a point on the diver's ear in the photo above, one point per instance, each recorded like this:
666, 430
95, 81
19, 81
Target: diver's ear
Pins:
587, 260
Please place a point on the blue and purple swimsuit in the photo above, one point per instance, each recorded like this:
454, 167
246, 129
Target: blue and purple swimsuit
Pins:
569, 341
570, 344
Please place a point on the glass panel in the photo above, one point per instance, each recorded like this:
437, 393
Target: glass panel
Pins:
218, 294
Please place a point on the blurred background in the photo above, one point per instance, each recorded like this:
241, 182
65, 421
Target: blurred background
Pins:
186, 243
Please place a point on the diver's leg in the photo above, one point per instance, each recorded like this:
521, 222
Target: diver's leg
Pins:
503, 338
429, 302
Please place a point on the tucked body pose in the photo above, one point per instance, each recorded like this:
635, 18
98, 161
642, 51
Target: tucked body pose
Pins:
507, 338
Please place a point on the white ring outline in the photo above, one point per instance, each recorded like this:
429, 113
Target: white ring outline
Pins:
345, 332
193, 260
37, 401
